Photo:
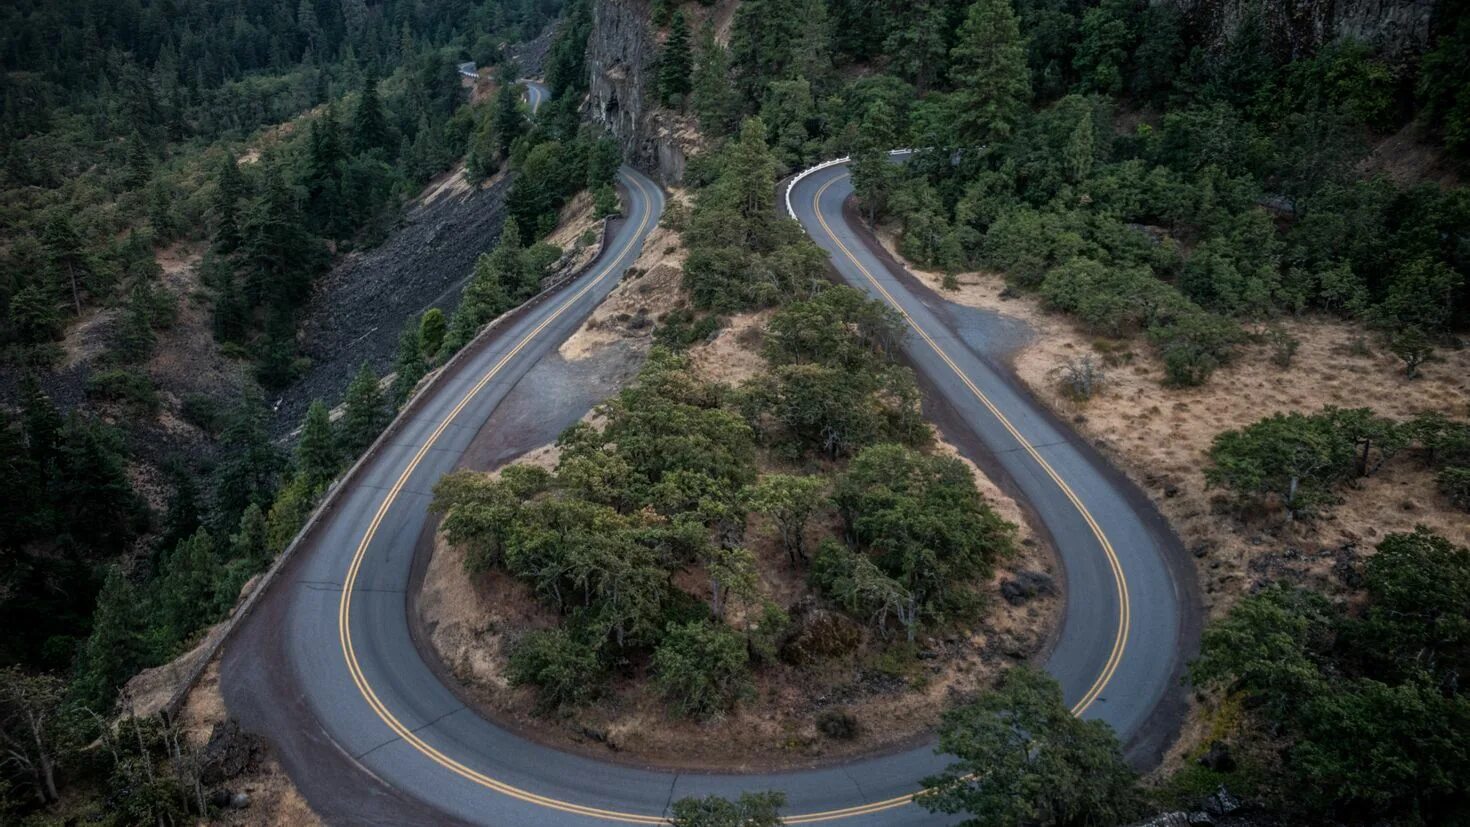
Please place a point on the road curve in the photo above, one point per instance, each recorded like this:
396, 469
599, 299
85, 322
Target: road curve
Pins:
1131, 611
326, 668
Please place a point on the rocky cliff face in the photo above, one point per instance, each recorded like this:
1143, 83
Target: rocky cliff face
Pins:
621, 55
1298, 27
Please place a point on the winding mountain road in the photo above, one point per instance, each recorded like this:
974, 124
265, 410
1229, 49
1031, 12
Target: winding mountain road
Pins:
327, 670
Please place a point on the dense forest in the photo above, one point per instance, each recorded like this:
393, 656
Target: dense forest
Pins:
1155, 177
276, 138
1131, 165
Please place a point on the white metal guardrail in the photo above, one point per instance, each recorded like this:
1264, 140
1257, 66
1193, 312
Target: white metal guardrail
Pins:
797, 179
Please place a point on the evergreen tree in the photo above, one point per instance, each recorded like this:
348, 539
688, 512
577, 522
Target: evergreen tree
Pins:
507, 121
317, 456
711, 94
66, 254
186, 591
873, 177
364, 415
324, 156
752, 173
431, 332
115, 649
992, 83
248, 467
676, 63
229, 189
139, 162
369, 123
248, 541
811, 54
98, 507
278, 256
762, 39
409, 366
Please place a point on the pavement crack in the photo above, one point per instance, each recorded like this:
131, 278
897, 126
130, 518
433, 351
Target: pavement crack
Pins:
669, 802
428, 724
324, 586
415, 730
861, 794
376, 748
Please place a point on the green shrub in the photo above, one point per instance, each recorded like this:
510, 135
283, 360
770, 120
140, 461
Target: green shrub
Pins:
701, 668
565, 671
131, 388
1455, 484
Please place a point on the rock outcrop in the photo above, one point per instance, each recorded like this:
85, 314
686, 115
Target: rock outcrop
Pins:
1296, 28
622, 53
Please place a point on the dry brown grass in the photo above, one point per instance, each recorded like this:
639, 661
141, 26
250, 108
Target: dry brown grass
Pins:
274, 800
1160, 436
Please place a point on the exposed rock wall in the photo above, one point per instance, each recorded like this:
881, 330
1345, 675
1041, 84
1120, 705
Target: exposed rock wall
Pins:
1298, 27
622, 53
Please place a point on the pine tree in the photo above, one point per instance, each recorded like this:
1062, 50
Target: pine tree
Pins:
323, 178
317, 454
711, 94
248, 465
811, 54
98, 506
67, 256
752, 170
506, 119
229, 188
248, 541
187, 589
873, 177
41, 421
431, 332
675, 64
369, 123
993, 84
115, 649
277, 253
409, 366
364, 415
139, 162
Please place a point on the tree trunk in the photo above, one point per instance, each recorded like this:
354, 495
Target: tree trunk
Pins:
76, 295
45, 768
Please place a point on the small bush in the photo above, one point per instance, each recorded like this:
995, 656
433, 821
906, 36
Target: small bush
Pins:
1455, 484
130, 388
702, 668
564, 670
838, 724
202, 411
1283, 346
683, 327
1082, 378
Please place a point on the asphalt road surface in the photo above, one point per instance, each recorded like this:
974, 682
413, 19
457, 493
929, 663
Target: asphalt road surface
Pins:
326, 668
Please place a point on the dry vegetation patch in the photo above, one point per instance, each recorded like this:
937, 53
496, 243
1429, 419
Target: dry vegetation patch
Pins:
1160, 436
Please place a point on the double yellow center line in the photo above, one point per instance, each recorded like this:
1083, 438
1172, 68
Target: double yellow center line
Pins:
1120, 581
344, 611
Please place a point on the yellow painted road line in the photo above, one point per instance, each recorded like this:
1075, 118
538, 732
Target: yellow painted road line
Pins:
1120, 580
428, 750
344, 612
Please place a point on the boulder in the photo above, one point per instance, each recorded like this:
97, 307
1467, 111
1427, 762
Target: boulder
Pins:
229, 753
1221, 802
1026, 585
1218, 758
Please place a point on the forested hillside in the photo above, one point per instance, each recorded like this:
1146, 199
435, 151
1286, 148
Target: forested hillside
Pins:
177, 177
1190, 179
